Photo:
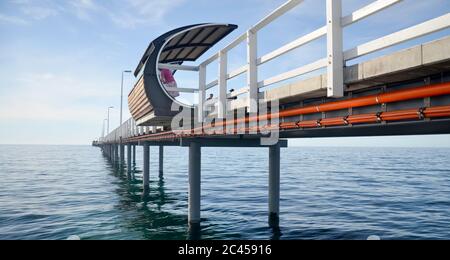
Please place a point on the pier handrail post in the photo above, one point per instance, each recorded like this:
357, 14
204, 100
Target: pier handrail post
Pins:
335, 52
252, 71
223, 71
201, 93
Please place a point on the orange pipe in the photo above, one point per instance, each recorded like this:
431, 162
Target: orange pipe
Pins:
332, 121
308, 124
394, 96
359, 119
390, 97
409, 114
288, 125
400, 115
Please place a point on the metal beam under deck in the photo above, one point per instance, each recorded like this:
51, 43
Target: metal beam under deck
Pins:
438, 126
425, 127
233, 141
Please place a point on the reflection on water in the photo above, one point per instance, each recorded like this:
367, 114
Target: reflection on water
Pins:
150, 217
54, 192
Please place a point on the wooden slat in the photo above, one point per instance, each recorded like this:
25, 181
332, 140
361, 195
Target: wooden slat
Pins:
135, 85
137, 93
138, 101
143, 113
139, 105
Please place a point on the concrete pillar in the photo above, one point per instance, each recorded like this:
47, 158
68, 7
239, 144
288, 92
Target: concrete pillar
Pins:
146, 166
116, 154
134, 154
122, 154
129, 158
161, 161
274, 185
194, 183
113, 153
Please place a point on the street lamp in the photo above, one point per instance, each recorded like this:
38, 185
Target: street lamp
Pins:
104, 127
109, 108
121, 95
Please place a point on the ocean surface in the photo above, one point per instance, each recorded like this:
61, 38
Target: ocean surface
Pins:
54, 192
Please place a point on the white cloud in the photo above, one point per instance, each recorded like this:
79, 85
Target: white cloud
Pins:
143, 12
123, 13
30, 10
39, 12
47, 96
154, 8
12, 20
83, 9
87, 4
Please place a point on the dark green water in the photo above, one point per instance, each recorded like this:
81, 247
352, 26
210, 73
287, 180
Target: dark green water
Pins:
53, 192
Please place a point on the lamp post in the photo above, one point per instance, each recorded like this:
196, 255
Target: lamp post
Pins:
109, 108
121, 95
104, 128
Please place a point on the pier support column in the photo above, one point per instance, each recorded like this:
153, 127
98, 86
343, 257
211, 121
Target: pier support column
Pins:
129, 158
116, 154
274, 185
134, 154
161, 161
194, 183
113, 153
146, 166
122, 154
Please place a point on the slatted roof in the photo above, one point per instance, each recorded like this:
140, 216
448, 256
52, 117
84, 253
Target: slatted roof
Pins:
188, 43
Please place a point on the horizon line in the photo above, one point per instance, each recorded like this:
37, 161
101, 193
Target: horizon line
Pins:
292, 146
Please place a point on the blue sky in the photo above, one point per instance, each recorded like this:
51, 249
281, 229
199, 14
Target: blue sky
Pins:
62, 60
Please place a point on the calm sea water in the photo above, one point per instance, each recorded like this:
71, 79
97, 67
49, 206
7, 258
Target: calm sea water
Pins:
53, 192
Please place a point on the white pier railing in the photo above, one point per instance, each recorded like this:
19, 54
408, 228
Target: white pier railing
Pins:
127, 130
334, 62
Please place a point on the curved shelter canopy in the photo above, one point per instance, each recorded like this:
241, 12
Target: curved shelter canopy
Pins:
187, 43
149, 102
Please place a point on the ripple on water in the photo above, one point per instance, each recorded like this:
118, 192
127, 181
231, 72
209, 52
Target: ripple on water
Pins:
55, 192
